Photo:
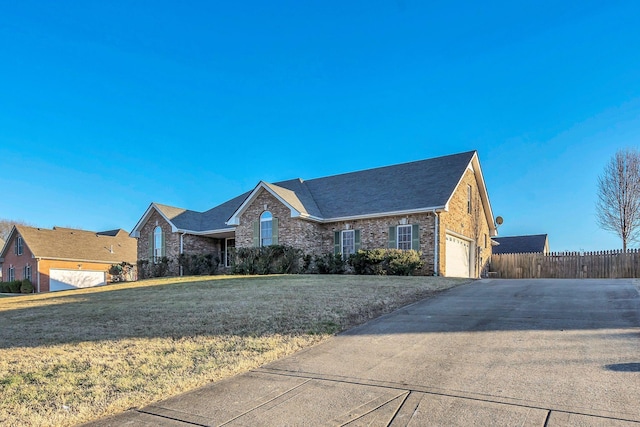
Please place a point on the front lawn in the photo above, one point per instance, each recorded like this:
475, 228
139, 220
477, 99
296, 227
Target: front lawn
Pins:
73, 356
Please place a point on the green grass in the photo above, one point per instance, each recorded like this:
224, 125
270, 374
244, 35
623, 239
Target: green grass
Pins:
73, 356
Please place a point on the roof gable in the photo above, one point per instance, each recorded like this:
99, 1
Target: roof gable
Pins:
286, 196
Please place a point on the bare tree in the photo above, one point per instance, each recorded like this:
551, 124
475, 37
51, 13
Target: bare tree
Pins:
618, 205
6, 225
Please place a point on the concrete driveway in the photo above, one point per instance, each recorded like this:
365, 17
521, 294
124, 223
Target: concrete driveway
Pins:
494, 352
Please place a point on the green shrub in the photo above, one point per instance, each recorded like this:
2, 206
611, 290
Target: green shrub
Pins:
198, 264
330, 264
287, 260
402, 263
275, 259
26, 287
368, 261
143, 269
14, 287
4, 287
147, 269
393, 262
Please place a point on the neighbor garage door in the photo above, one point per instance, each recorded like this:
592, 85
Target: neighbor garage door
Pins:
457, 257
60, 279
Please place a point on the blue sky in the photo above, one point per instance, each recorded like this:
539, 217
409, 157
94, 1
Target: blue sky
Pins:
108, 106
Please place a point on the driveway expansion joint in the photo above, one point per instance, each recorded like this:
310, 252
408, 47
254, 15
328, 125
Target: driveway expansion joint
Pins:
456, 394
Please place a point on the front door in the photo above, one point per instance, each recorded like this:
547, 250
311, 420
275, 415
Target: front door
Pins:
228, 251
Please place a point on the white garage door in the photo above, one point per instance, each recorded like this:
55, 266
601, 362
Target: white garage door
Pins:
458, 252
60, 279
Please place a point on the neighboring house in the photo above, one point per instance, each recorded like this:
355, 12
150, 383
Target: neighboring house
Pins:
538, 243
64, 258
438, 206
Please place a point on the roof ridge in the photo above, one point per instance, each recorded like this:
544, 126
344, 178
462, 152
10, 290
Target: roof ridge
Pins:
395, 165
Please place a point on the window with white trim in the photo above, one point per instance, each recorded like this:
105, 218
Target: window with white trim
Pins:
26, 272
266, 229
19, 245
468, 199
11, 274
348, 243
157, 244
404, 237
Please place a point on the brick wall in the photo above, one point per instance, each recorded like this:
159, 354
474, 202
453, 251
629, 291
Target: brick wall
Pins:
315, 238
302, 234
171, 240
473, 225
18, 262
374, 234
191, 244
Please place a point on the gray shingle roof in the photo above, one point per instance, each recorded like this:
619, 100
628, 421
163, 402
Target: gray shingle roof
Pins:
216, 218
408, 186
520, 244
69, 243
416, 185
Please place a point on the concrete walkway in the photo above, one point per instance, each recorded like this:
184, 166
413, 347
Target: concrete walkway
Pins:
494, 352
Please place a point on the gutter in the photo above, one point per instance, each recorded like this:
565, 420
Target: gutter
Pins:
182, 251
38, 273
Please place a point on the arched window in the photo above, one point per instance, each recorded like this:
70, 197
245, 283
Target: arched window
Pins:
266, 229
157, 244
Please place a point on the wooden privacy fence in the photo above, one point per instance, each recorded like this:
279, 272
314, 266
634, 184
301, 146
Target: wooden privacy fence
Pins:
567, 265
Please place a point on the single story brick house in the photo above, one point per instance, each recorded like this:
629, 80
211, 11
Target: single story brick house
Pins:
439, 207
64, 258
530, 244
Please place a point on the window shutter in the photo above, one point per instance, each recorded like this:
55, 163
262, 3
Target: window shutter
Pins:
336, 243
151, 243
256, 234
274, 231
162, 244
356, 238
392, 238
415, 237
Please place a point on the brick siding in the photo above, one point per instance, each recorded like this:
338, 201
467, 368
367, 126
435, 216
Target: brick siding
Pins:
473, 225
316, 238
191, 244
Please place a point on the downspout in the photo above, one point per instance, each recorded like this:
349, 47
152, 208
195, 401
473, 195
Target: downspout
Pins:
182, 251
436, 240
38, 273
